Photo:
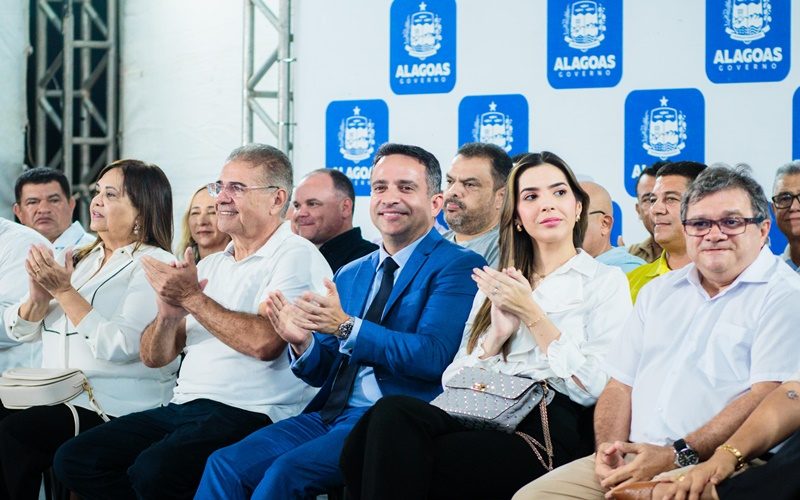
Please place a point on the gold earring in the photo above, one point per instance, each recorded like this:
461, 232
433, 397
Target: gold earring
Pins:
519, 228
578, 218
136, 228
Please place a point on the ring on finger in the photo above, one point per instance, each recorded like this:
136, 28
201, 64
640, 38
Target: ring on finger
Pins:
494, 292
681, 477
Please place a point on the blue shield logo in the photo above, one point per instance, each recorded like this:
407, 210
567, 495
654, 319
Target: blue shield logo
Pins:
422, 46
747, 40
353, 132
584, 43
664, 124
495, 119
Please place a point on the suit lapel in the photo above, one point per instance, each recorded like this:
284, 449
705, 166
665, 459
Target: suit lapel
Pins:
412, 267
362, 282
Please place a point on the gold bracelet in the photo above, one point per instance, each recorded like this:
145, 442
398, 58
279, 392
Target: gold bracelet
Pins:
533, 323
736, 453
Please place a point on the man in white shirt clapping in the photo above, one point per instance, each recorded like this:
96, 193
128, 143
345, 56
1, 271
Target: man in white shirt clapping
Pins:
235, 377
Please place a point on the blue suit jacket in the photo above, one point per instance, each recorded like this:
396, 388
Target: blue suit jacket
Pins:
422, 325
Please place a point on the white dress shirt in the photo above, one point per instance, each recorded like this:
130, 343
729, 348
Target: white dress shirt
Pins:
105, 344
74, 237
15, 241
588, 302
687, 355
212, 369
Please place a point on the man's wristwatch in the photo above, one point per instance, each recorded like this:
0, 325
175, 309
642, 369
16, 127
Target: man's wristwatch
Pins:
684, 454
345, 329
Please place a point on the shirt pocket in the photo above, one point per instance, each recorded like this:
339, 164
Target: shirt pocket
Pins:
726, 355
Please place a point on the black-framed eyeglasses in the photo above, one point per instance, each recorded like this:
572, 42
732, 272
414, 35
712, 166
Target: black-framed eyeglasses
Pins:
597, 212
730, 226
785, 200
234, 190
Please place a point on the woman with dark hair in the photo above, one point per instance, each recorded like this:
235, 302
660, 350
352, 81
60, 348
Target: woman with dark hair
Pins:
89, 310
200, 231
548, 314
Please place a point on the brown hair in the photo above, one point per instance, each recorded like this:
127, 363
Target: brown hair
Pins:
151, 194
516, 247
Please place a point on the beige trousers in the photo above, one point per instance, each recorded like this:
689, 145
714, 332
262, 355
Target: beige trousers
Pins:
573, 480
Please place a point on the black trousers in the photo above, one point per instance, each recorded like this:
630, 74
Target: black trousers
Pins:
778, 479
405, 448
159, 453
29, 439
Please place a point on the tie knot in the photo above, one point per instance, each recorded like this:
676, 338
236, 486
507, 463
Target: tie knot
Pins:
389, 267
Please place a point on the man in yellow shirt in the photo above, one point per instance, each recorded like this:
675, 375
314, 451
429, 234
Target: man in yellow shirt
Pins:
671, 182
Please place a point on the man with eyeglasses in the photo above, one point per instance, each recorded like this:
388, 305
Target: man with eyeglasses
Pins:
597, 239
786, 206
648, 249
703, 346
235, 377
672, 181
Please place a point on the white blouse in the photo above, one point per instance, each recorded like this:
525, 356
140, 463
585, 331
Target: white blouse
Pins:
588, 302
105, 344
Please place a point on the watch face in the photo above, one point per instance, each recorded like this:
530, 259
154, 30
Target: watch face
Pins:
686, 457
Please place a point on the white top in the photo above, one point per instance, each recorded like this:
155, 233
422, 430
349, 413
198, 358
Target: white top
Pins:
105, 344
15, 241
74, 237
211, 369
588, 302
687, 355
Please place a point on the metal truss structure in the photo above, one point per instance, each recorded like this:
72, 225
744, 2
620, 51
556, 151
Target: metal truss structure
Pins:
256, 97
76, 54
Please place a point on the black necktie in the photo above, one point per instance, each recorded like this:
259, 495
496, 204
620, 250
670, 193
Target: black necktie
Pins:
346, 374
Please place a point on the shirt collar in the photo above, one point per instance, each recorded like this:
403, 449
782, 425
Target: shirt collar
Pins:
127, 250
268, 249
581, 262
659, 266
401, 256
759, 271
70, 237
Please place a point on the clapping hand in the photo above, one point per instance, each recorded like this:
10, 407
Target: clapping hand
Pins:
321, 313
174, 283
508, 289
284, 318
48, 278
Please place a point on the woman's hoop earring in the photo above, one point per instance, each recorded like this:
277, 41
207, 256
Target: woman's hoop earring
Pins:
136, 228
518, 227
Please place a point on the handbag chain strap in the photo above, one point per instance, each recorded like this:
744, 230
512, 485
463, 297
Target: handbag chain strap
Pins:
92, 401
548, 443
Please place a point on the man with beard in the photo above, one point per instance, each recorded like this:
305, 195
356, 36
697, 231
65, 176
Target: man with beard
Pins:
473, 198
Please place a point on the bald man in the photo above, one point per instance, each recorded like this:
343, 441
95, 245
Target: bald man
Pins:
597, 241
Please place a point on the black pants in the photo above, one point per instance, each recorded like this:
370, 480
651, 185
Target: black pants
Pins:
405, 448
157, 453
778, 479
29, 439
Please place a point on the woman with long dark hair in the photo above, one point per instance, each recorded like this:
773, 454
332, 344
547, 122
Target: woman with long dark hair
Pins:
89, 310
549, 313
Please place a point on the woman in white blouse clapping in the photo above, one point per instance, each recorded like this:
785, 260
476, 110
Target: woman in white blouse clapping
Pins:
88, 309
548, 314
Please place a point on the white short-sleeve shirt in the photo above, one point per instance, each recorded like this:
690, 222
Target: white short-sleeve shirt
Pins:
687, 355
212, 369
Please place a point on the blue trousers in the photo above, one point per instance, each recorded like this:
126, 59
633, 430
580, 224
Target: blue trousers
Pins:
294, 458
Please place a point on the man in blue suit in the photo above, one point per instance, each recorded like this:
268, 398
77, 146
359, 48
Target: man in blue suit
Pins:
390, 324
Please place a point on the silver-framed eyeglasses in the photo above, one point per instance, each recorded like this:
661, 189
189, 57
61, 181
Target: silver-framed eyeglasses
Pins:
785, 200
730, 226
234, 189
